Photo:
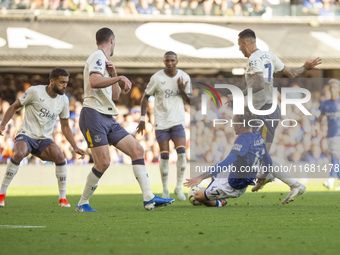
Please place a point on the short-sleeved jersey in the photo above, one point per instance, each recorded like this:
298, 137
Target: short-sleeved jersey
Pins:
267, 63
251, 152
99, 99
331, 108
41, 112
169, 105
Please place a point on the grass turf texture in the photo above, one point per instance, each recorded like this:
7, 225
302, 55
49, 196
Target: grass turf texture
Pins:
255, 223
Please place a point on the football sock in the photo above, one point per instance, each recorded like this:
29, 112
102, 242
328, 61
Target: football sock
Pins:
164, 169
142, 177
61, 174
284, 177
90, 186
181, 165
11, 171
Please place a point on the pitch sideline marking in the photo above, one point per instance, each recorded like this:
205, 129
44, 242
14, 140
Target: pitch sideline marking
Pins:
20, 226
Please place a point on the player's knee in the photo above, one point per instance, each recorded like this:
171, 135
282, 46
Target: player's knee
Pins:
59, 158
18, 156
138, 151
199, 195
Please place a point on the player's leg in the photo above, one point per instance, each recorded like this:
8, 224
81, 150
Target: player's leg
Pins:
334, 151
101, 158
132, 148
94, 127
181, 165
49, 151
164, 166
21, 150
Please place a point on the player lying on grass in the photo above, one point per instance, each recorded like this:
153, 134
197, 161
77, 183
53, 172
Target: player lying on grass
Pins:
232, 176
43, 105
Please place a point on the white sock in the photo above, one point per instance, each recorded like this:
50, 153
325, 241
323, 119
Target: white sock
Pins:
143, 180
331, 181
181, 165
164, 169
11, 171
283, 176
61, 173
90, 187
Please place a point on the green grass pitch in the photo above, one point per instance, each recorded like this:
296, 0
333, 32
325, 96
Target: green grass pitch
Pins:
255, 223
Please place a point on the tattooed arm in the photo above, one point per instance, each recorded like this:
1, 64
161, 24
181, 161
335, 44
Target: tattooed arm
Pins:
294, 72
256, 82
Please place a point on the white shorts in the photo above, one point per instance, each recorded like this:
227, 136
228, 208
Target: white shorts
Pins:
334, 145
220, 188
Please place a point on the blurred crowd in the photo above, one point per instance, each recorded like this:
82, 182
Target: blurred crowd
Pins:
306, 142
182, 7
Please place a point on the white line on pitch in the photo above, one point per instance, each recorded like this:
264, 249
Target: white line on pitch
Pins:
20, 226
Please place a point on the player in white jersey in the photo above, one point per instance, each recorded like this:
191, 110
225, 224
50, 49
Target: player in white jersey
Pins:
43, 105
99, 127
171, 88
260, 68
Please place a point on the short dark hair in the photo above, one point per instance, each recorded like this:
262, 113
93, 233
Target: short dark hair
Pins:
247, 116
247, 33
58, 71
170, 53
103, 35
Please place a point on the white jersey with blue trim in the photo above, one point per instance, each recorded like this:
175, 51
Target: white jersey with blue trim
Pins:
99, 99
169, 104
41, 112
267, 63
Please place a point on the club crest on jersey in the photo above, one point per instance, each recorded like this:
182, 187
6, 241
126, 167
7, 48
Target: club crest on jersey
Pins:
97, 138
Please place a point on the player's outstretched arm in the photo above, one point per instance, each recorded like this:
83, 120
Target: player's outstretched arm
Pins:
9, 114
65, 128
195, 181
144, 105
309, 65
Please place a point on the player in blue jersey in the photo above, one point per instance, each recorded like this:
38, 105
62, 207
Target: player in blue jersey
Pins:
232, 176
331, 109
259, 72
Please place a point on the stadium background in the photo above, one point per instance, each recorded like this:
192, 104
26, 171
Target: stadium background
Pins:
295, 31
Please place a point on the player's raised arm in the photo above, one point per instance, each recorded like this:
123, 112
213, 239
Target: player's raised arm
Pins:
309, 65
181, 86
9, 114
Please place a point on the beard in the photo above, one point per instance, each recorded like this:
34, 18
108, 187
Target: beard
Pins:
59, 91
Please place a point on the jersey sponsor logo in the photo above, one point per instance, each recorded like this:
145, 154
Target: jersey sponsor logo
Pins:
99, 62
252, 63
171, 93
46, 113
237, 147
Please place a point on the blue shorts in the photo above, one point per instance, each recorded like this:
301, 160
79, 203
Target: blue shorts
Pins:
100, 129
35, 147
268, 129
170, 133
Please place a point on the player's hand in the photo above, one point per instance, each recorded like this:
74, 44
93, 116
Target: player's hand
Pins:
141, 127
110, 68
80, 152
127, 83
2, 129
181, 84
193, 182
311, 64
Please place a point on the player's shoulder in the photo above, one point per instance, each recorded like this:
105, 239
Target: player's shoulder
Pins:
36, 88
98, 54
182, 73
243, 139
